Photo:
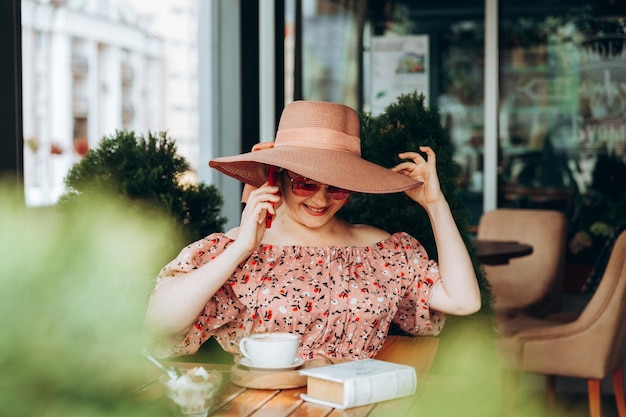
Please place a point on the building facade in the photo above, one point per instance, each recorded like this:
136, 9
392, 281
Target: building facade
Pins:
93, 67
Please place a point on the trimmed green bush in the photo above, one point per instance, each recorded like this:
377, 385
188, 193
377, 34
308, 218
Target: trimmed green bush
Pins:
146, 173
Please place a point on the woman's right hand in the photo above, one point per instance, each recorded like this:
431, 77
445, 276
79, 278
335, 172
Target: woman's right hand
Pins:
252, 227
176, 304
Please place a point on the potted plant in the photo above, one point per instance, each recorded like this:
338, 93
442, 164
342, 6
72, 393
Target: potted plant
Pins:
595, 215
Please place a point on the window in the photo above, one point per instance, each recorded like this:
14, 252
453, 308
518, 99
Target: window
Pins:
103, 67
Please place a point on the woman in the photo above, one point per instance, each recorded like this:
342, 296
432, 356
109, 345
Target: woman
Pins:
338, 285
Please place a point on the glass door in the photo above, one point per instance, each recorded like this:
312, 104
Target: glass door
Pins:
557, 134
562, 131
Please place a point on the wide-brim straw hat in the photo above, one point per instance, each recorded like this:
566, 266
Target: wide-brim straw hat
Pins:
320, 141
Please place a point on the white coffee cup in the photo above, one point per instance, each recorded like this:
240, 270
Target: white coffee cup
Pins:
270, 350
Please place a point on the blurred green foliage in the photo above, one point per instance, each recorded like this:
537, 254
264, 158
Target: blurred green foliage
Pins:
147, 173
73, 295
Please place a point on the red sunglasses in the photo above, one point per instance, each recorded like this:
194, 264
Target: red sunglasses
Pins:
304, 187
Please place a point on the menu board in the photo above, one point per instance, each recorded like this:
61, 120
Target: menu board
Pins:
400, 65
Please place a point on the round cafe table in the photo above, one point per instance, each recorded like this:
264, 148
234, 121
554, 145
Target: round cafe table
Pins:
499, 252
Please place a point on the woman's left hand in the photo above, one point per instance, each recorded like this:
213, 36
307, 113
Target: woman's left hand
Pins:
424, 170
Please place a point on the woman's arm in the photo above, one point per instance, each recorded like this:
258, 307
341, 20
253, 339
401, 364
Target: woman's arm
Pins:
176, 304
458, 292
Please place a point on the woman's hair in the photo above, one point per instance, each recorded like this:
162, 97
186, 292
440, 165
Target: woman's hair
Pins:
264, 169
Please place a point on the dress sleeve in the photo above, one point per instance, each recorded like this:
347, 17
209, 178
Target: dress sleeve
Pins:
193, 256
414, 314
222, 308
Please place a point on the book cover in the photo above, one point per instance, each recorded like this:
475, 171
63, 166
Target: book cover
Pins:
360, 382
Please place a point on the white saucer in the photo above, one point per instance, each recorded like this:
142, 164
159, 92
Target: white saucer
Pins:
296, 363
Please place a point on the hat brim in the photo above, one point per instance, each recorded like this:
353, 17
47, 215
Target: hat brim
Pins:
341, 169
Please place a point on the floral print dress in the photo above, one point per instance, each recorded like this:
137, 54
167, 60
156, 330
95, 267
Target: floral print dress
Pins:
340, 299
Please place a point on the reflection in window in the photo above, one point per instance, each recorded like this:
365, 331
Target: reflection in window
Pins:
562, 117
454, 76
461, 100
91, 68
330, 53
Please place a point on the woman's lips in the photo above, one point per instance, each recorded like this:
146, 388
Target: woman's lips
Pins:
316, 211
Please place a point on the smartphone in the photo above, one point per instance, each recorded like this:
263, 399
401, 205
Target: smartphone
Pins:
271, 180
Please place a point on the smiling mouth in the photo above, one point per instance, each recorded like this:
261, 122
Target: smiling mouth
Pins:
316, 210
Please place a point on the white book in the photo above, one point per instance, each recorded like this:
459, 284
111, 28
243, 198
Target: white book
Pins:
360, 382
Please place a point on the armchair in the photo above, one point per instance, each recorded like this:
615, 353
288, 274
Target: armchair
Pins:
590, 345
531, 284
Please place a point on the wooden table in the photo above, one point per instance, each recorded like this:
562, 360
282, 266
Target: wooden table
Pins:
236, 401
499, 252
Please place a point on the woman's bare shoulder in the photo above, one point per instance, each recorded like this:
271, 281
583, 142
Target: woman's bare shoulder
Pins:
232, 233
